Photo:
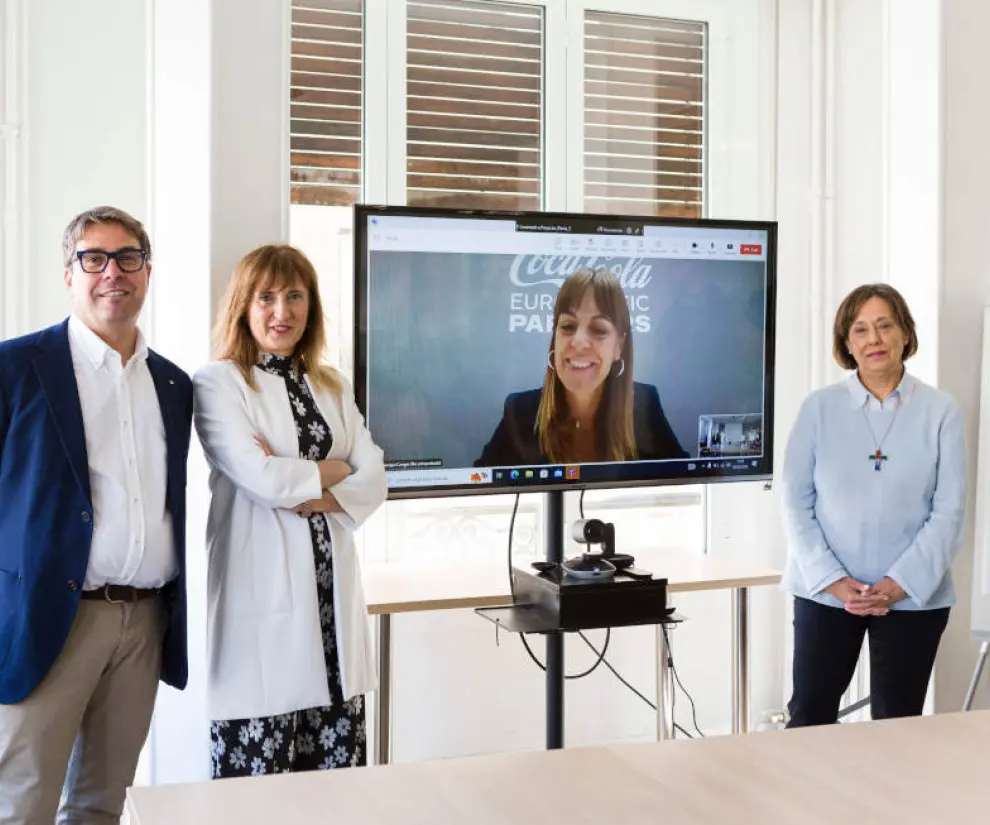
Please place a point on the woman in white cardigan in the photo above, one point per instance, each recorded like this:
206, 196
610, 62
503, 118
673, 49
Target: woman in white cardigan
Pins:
293, 473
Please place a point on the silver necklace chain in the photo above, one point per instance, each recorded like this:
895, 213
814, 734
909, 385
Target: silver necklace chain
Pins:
879, 456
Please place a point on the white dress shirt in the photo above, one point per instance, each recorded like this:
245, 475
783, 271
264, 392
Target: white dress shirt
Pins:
125, 447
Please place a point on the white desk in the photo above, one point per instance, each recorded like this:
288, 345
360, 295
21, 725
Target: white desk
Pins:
918, 771
405, 588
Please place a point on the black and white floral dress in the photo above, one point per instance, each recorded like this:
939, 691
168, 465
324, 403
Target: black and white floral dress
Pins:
316, 738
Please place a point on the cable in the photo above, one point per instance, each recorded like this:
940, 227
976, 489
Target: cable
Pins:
670, 663
600, 660
628, 685
512, 592
680, 684
512, 527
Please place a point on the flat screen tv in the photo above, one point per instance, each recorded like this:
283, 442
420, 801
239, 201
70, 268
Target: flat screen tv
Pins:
520, 351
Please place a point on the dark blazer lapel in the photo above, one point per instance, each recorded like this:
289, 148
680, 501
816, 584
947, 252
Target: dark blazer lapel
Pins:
58, 381
167, 392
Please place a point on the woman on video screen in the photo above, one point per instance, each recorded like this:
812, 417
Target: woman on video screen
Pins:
589, 408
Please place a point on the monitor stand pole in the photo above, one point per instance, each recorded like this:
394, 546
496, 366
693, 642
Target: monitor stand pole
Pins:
554, 537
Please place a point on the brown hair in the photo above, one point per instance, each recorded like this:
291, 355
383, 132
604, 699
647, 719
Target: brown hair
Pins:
849, 309
272, 265
614, 419
100, 215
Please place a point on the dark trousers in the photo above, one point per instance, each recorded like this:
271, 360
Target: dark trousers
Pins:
827, 642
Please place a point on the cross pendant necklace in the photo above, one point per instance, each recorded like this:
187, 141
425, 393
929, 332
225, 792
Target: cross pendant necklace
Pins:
879, 457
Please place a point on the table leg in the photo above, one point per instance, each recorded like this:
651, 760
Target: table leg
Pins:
665, 724
740, 660
383, 707
981, 660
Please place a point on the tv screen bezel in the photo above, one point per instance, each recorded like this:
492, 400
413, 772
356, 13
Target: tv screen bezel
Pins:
708, 476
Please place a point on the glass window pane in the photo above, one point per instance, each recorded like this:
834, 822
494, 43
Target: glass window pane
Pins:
325, 102
644, 102
474, 117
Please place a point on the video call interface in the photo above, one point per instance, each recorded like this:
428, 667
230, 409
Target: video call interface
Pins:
458, 352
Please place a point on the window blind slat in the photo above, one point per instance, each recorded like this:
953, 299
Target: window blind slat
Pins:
493, 15
464, 137
487, 154
483, 108
462, 77
656, 91
301, 81
605, 149
326, 97
481, 94
457, 31
646, 48
648, 105
490, 47
317, 128
323, 33
629, 28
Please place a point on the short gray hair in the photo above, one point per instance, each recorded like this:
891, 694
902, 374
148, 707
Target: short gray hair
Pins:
102, 215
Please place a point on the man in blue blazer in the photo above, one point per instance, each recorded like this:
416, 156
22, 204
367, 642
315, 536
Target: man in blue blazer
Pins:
94, 434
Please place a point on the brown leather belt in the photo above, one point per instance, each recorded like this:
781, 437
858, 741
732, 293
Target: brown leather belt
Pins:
116, 593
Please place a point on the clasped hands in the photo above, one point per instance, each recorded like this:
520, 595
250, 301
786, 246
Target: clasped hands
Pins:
334, 470
863, 599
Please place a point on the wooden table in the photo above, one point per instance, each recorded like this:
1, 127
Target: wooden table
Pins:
906, 771
406, 588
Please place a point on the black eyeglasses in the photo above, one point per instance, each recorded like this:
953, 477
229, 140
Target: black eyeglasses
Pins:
129, 259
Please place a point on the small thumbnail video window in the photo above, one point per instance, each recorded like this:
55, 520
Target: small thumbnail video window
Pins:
730, 435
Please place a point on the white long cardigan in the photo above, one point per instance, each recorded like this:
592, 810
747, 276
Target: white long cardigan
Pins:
265, 649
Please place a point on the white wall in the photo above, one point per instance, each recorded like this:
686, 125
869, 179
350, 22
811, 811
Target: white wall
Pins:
86, 138
13, 102
219, 159
965, 286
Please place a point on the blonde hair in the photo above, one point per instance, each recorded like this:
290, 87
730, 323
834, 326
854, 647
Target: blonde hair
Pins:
614, 418
272, 265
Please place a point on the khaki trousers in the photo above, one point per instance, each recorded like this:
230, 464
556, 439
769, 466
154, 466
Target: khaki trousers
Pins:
69, 751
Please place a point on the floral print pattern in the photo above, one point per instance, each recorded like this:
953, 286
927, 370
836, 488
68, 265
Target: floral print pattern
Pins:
334, 736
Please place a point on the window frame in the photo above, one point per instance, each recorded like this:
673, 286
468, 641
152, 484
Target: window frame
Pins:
15, 317
392, 121
733, 119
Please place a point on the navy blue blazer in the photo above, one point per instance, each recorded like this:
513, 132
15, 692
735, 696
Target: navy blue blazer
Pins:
46, 511
515, 440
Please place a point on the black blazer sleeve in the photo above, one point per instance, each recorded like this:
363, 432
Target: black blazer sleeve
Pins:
655, 439
514, 440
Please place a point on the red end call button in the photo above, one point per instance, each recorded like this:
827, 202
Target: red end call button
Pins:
750, 249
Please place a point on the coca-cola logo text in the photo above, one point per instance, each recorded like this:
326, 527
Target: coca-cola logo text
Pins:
534, 270
532, 310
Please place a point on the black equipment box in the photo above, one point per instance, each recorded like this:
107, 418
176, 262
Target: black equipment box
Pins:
569, 603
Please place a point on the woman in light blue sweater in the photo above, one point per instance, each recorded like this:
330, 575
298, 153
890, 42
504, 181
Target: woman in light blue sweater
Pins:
874, 489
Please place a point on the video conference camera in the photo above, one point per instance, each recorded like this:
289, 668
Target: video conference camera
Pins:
595, 531
591, 565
